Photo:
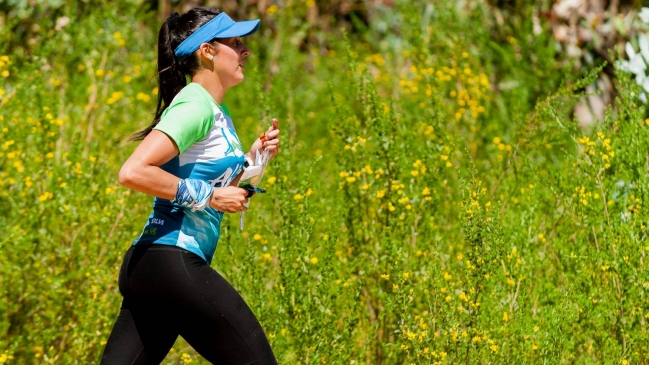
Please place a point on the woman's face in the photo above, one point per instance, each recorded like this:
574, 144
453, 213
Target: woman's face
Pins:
229, 61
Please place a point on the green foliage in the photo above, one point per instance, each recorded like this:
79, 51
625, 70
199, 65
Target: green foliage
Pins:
433, 201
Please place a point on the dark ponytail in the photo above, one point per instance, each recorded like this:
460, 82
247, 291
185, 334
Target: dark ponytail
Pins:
172, 72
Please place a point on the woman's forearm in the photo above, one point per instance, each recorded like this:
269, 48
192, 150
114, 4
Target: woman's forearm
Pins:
153, 180
149, 179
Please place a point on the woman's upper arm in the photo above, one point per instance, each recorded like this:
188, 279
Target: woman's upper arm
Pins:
181, 125
155, 150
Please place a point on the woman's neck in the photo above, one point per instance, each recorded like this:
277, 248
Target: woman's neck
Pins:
211, 83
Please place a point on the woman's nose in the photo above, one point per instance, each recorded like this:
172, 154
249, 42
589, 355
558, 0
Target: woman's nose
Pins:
245, 51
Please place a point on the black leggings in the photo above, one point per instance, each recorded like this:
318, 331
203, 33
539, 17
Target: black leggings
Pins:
169, 291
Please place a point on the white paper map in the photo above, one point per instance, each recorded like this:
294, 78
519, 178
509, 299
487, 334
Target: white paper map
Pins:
251, 176
253, 173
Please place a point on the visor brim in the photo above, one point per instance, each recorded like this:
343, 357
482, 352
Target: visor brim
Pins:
241, 29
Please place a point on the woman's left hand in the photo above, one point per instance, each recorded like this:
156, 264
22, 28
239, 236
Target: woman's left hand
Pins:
271, 143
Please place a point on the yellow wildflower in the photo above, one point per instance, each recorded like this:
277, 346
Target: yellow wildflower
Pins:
272, 9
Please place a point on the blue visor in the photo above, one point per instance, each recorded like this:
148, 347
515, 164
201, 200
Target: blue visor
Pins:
222, 26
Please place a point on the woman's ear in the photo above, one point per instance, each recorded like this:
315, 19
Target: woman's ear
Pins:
207, 50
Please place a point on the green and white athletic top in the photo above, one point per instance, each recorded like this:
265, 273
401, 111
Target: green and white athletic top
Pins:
209, 150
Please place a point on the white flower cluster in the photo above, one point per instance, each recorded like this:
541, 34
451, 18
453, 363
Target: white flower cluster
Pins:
637, 62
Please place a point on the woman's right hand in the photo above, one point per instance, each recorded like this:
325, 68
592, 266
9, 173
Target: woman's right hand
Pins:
229, 199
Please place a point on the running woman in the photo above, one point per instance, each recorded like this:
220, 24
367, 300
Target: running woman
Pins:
187, 160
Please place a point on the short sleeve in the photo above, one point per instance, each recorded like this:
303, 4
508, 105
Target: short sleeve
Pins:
186, 122
226, 110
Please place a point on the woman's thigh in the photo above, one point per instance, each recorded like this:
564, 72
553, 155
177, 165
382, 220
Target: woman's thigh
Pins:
218, 323
146, 327
141, 335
